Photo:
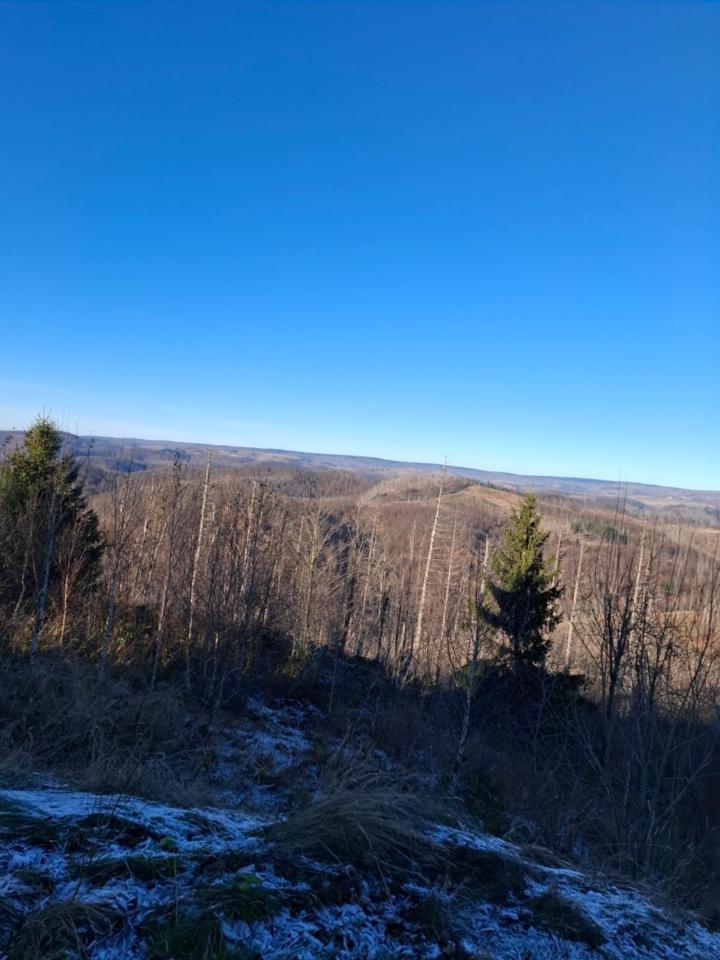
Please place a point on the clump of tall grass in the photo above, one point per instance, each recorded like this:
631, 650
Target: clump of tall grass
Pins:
64, 928
114, 736
362, 816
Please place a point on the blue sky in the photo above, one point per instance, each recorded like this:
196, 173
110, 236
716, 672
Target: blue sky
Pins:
486, 231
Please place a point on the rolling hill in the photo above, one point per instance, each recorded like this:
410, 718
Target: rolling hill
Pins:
108, 454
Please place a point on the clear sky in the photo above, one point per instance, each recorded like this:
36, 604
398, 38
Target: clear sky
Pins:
482, 230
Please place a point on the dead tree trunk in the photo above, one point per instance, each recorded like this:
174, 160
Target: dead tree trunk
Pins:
368, 572
194, 570
571, 619
446, 598
418, 637
159, 633
477, 626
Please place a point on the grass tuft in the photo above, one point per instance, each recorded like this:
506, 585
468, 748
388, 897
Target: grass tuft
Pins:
205, 825
109, 828
65, 928
191, 935
144, 868
361, 816
553, 912
430, 914
486, 875
35, 879
222, 864
18, 823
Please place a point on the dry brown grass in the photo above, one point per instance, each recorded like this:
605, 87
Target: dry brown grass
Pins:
62, 929
110, 737
361, 816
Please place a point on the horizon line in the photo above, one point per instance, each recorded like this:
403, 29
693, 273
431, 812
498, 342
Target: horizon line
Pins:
426, 464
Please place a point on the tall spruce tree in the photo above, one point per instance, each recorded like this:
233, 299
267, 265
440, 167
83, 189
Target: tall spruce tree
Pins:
45, 522
523, 590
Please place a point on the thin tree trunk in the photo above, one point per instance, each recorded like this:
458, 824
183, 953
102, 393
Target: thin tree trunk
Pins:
248, 531
417, 639
571, 621
446, 599
65, 601
139, 568
638, 576
193, 574
556, 577
370, 558
107, 626
168, 574
119, 533
472, 666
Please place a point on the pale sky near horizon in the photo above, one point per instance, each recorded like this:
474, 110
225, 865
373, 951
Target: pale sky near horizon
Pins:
486, 231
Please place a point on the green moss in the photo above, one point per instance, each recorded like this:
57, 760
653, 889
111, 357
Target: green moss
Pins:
240, 898
191, 935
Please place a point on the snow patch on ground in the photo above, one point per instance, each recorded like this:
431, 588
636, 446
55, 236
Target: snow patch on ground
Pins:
324, 910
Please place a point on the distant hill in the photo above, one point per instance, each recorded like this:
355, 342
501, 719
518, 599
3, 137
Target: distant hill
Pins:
111, 454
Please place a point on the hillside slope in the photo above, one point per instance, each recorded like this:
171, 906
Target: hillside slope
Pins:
108, 453
119, 878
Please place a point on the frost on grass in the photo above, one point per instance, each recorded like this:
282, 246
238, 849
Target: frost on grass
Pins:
254, 754
119, 878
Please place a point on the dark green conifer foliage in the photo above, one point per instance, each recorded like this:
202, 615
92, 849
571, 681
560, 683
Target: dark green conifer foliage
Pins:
43, 516
523, 589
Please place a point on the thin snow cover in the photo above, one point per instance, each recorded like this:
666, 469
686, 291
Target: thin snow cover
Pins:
345, 932
254, 753
629, 923
453, 836
281, 734
179, 823
376, 922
